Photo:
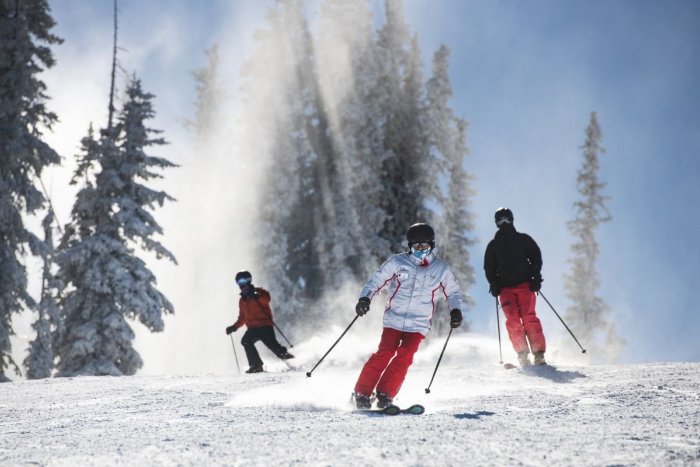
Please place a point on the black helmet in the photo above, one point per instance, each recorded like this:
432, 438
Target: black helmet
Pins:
243, 277
421, 233
503, 216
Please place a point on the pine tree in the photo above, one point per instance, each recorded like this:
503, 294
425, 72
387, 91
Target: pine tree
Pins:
24, 53
588, 314
347, 147
107, 283
39, 363
448, 151
348, 75
210, 97
400, 79
274, 134
205, 175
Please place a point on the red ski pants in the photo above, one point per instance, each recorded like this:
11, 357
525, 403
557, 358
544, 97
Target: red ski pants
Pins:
518, 305
387, 367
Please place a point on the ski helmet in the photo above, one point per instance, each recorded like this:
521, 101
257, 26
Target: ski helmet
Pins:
243, 278
503, 216
421, 233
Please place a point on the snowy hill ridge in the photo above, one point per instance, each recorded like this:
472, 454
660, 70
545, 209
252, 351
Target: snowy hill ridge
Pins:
477, 414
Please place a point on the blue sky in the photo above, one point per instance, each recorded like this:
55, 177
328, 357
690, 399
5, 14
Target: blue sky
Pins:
526, 76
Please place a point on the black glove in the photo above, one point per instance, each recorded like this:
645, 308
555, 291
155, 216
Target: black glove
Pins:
536, 283
455, 318
230, 329
495, 290
362, 306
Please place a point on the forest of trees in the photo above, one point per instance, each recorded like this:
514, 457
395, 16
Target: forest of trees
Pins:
360, 145
93, 280
355, 140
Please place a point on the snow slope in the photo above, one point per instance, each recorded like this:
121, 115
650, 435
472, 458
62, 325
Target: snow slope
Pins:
478, 414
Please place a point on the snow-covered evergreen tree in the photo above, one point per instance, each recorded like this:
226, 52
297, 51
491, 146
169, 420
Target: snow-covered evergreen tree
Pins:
107, 284
348, 75
274, 132
448, 151
401, 95
205, 176
348, 147
588, 315
24, 52
210, 98
39, 363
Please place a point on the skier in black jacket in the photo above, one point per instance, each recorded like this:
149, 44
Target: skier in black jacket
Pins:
512, 264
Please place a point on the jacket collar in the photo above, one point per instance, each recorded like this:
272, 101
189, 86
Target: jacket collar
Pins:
506, 229
422, 261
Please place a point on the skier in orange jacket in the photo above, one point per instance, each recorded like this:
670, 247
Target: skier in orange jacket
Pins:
255, 313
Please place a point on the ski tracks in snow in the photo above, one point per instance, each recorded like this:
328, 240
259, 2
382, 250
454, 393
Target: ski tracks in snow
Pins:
477, 414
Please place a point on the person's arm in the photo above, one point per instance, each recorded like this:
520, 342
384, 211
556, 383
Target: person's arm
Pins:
239, 322
263, 298
534, 255
379, 279
450, 288
491, 265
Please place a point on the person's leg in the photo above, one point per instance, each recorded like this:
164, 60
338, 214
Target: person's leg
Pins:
251, 336
531, 323
514, 325
267, 335
394, 375
377, 363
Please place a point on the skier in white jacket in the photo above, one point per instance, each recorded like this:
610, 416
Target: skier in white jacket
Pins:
415, 280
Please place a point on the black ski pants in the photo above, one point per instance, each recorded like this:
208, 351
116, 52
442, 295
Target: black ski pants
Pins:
266, 334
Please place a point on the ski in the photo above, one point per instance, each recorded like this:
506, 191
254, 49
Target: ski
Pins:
415, 409
510, 366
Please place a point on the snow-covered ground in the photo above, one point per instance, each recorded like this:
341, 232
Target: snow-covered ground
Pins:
477, 414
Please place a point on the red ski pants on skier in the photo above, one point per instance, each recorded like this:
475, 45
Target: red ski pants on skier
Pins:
518, 305
387, 367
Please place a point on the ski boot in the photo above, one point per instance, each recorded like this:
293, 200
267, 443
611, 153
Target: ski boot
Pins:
255, 369
524, 359
539, 358
285, 356
383, 400
362, 402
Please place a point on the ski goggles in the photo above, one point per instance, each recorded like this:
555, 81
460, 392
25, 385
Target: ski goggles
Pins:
243, 281
420, 246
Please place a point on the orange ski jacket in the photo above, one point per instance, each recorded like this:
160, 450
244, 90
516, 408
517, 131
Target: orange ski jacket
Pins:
254, 312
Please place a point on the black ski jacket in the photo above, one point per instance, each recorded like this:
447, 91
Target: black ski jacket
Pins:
512, 258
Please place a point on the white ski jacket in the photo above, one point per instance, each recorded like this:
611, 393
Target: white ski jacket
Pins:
414, 286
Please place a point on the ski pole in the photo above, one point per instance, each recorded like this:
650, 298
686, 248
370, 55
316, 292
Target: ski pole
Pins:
273, 323
282, 334
562, 321
498, 323
427, 390
234, 354
308, 374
